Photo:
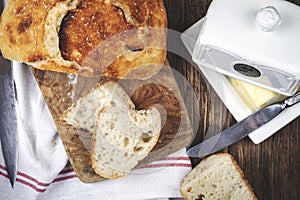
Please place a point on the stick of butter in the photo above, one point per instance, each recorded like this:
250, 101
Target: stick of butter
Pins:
254, 96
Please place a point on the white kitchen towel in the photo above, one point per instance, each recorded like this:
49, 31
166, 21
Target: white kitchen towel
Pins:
44, 173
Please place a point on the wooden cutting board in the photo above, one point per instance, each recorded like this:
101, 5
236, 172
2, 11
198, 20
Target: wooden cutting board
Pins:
61, 90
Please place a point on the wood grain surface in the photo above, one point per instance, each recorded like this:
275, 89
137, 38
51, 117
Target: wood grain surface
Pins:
272, 167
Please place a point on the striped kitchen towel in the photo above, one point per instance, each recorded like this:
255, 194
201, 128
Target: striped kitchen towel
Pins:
157, 180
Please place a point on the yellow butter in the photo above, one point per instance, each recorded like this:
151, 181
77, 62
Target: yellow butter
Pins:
255, 97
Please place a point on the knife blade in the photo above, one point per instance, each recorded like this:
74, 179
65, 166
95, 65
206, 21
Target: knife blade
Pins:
8, 118
241, 129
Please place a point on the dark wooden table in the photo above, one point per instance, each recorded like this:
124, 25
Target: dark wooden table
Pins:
272, 167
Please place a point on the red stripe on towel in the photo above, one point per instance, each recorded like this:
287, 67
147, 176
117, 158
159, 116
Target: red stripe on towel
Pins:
2, 167
68, 177
33, 186
33, 179
3, 174
167, 165
64, 178
176, 158
30, 185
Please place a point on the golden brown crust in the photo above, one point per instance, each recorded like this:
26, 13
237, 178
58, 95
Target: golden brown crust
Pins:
27, 33
114, 37
21, 27
239, 170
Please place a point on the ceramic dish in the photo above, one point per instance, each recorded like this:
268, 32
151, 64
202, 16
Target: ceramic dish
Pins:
235, 104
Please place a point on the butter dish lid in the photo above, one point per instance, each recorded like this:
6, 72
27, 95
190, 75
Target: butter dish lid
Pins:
232, 25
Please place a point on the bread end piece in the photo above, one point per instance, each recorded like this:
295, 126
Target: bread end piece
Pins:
216, 177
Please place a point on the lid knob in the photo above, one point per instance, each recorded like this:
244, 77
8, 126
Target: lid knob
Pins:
268, 19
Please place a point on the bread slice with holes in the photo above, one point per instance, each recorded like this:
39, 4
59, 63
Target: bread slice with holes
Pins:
83, 113
216, 177
122, 138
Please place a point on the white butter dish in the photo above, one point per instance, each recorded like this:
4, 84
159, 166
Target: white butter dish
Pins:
232, 43
227, 93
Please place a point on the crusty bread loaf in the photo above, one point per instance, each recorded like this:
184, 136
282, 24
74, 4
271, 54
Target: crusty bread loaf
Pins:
83, 113
122, 138
217, 177
115, 38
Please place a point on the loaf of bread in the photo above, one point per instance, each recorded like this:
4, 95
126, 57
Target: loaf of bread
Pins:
115, 38
122, 138
217, 177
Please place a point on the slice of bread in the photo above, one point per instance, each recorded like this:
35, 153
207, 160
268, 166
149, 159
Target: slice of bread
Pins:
83, 113
122, 138
216, 177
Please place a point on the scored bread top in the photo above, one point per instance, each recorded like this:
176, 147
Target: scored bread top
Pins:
117, 38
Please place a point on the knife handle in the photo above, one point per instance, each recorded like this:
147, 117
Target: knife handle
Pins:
292, 100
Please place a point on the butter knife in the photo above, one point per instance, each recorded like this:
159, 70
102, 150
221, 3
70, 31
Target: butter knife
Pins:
241, 129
